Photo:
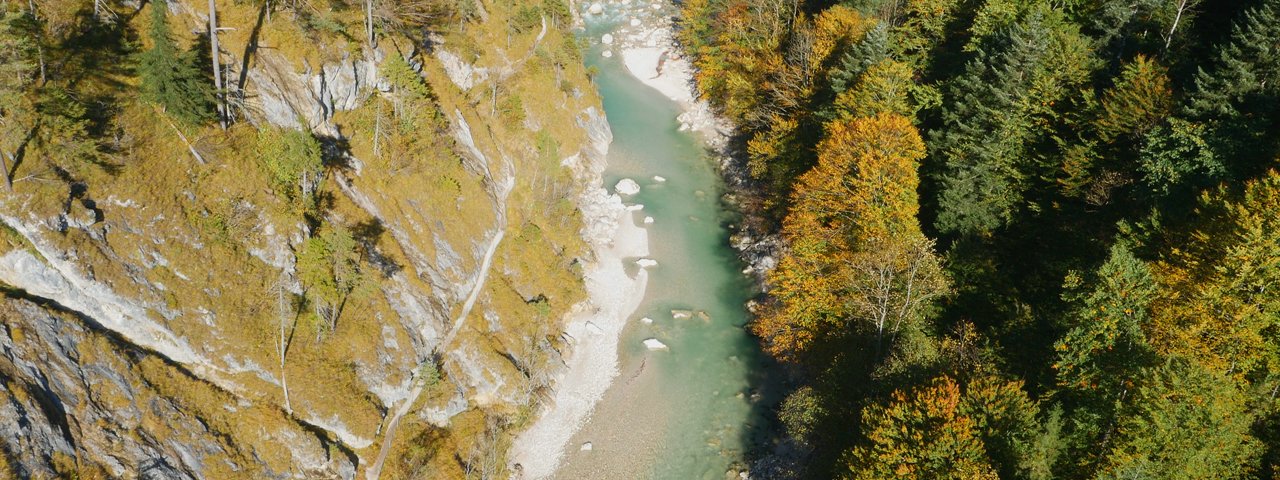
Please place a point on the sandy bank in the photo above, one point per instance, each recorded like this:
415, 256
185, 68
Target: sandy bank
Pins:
651, 55
594, 326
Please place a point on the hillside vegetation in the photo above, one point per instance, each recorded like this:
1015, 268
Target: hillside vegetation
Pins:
255, 250
1026, 239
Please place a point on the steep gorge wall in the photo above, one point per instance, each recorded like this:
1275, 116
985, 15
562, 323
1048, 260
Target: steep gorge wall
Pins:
146, 310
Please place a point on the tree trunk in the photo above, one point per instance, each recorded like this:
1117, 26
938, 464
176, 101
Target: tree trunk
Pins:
369, 23
1182, 6
282, 311
217, 69
4, 163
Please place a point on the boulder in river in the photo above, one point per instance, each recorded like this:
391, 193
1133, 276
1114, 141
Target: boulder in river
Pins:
648, 220
586, 447
646, 320
681, 314
627, 186
595, 9
636, 207
607, 54
659, 178
654, 344
607, 39
647, 262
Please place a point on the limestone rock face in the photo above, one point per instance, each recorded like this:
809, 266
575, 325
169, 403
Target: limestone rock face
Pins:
154, 324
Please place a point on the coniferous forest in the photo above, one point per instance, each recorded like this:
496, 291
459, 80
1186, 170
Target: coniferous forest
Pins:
1024, 239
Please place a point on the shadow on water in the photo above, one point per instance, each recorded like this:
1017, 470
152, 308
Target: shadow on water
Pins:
764, 376
720, 389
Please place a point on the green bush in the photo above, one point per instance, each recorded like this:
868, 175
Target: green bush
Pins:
292, 158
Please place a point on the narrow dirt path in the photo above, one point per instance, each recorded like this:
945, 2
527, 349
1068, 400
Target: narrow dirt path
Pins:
388, 438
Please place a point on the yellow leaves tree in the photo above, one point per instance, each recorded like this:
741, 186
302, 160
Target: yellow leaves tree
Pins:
1139, 101
865, 181
1220, 306
857, 261
833, 29
923, 433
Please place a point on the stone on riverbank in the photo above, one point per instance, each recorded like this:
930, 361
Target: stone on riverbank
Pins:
654, 344
627, 186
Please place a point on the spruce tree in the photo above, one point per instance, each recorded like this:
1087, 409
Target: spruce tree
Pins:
873, 49
171, 78
1239, 94
986, 129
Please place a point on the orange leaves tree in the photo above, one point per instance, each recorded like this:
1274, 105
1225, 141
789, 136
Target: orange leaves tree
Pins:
923, 433
858, 262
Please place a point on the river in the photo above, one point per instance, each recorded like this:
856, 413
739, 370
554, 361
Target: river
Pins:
693, 411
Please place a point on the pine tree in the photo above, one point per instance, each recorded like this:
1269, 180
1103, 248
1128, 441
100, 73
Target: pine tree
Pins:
871, 50
171, 78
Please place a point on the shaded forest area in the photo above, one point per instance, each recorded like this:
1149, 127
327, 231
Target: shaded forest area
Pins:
1025, 239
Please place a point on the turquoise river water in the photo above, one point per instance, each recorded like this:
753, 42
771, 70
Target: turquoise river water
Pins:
691, 412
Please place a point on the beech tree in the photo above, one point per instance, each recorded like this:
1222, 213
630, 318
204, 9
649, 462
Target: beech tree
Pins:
857, 257
1221, 308
922, 434
1186, 423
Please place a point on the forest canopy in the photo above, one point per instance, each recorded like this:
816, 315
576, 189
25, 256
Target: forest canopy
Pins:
1025, 239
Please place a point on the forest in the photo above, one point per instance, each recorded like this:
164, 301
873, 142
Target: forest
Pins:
1025, 239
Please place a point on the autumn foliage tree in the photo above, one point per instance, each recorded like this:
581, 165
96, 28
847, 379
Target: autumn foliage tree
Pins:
921, 434
857, 261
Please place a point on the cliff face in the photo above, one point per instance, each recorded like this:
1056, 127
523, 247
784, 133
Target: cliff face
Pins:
158, 322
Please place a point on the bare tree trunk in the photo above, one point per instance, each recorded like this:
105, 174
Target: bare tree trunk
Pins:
31, 4
217, 69
4, 163
377, 132
368, 24
1182, 6
283, 347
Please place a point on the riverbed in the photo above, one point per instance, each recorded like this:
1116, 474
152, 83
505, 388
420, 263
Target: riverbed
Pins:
695, 408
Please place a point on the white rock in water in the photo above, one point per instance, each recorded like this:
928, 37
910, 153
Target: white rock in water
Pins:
586, 447
654, 344
657, 6
635, 22
647, 262
607, 54
627, 186
595, 9
607, 39
659, 178
681, 314
646, 320
635, 208
648, 220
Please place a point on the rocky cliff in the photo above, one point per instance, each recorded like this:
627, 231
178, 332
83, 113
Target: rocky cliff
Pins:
160, 320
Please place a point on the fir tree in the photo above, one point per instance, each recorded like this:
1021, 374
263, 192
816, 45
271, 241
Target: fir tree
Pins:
171, 78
